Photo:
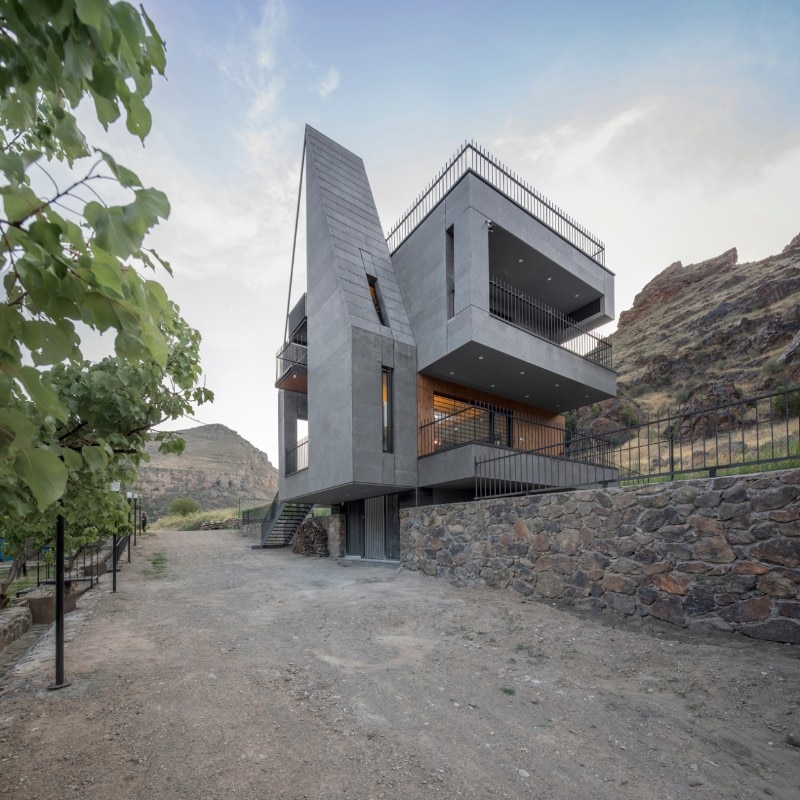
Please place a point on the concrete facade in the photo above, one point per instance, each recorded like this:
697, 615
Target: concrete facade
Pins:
423, 309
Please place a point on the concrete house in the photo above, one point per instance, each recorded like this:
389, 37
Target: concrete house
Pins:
427, 363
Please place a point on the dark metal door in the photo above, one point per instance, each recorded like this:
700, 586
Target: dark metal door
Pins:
354, 540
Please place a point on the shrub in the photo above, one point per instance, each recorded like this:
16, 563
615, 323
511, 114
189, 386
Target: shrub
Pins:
183, 506
786, 405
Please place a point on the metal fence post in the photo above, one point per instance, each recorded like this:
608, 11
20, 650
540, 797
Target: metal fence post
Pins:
59, 682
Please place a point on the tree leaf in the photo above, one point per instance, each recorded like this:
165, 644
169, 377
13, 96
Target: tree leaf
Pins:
15, 427
43, 473
95, 457
49, 342
139, 119
19, 202
125, 176
91, 12
42, 393
112, 233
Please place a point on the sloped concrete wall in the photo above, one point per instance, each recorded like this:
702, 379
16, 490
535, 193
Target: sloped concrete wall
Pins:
720, 552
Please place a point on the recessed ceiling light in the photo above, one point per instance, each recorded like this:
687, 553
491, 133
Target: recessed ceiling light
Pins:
480, 358
577, 295
491, 386
522, 372
452, 373
549, 279
557, 385
527, 395
521, 260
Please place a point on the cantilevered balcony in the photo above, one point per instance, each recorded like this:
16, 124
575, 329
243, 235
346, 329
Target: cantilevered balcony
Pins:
508, 303
292, 368
502, 452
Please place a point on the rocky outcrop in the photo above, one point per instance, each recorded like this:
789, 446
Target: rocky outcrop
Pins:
695, 327
218, 468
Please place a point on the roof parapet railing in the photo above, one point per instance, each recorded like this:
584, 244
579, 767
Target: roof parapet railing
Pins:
473, 158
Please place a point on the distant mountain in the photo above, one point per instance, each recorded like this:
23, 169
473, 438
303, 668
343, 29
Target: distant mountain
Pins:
706, 332
218, 469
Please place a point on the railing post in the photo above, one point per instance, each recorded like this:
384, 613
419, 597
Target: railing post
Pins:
59, 683
114, 563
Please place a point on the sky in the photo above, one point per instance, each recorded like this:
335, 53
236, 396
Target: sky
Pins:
671, 130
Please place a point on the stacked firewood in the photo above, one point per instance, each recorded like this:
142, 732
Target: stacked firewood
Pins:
311, 539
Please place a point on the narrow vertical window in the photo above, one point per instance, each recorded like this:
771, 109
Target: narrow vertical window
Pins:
374, 293
386, 408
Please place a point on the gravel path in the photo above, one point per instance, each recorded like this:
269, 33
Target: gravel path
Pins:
237, 673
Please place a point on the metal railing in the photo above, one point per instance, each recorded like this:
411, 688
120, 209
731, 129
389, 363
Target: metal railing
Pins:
473, 158
728, 437
484, 424
517, 308
83, 564
291, 356
731, 436
297, 457
585, 460
255, 514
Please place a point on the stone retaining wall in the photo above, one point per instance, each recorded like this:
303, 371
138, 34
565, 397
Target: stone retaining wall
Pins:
14, 622
718, 552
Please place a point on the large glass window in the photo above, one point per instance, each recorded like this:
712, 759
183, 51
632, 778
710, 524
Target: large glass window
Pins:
387, 410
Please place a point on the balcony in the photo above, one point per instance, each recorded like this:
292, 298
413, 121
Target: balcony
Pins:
499, 453
474, 159
296, 457
479, 424
508, 303
292, 368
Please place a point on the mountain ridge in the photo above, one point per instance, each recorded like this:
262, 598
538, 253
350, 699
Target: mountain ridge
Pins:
218, 468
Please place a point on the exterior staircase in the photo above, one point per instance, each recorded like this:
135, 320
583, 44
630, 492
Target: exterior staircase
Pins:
282, 521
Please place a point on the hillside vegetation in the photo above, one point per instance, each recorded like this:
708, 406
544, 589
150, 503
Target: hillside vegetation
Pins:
705, 332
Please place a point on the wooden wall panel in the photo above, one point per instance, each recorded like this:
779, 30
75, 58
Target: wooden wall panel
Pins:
526, 434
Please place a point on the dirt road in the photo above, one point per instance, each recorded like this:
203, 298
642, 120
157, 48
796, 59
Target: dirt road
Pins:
222, 672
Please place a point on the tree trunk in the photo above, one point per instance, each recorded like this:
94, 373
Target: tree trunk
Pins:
16, 566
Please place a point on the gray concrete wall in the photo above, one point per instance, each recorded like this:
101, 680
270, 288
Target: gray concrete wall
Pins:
420, 264
347, 344
718, 553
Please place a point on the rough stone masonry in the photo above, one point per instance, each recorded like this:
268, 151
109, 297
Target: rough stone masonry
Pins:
718, 552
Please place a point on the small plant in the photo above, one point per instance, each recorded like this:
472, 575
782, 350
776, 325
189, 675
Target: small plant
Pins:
508, 690
158, 566
786, 406
596, 411
183, 506
630, 416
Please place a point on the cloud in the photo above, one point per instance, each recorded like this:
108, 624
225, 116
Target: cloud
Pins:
329, 84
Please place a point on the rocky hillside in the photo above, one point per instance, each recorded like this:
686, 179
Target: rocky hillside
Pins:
218, 468
706, 331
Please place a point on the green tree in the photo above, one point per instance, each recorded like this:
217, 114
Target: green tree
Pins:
66, 255
183, 506
69, 256
112, 406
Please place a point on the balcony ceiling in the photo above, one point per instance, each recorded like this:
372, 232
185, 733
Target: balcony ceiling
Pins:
520, 265
480, 367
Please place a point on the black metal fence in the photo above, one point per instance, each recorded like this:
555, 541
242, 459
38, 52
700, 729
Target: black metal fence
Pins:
730, 436
251, 516
516, 307
485, 424
473, 158
291, 355
83, 564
